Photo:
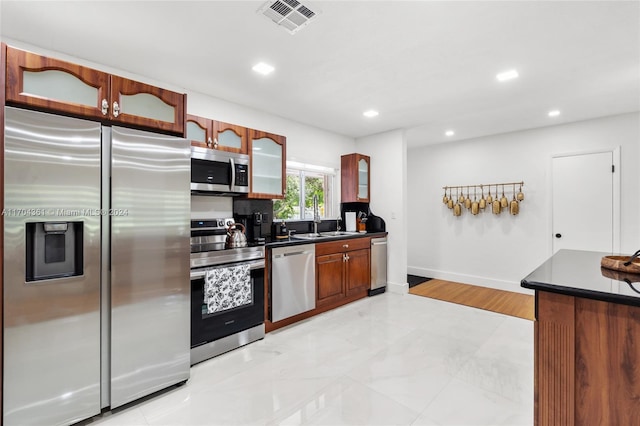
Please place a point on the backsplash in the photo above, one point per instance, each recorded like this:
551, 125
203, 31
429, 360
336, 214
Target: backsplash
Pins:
207, 207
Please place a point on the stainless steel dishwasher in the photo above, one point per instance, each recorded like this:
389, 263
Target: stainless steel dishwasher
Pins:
378, 265
293, 279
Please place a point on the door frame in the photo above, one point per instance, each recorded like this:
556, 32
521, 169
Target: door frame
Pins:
616, 213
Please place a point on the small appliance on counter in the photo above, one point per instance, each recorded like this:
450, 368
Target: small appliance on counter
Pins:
375, 223
256, 216
282, 231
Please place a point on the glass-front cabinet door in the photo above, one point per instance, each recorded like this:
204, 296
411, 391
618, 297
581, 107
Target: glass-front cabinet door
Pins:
268, 154
355, 171
141, 104
229, 137
363, 179
199, 131
51, 84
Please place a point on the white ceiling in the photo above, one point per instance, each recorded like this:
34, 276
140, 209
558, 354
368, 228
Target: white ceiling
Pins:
427, 66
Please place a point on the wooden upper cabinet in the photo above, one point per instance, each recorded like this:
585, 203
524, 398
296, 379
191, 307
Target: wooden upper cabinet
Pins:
230, 137
45, 83
207, 133
199, 131
50, 84
268, 157
355, 178
144, 105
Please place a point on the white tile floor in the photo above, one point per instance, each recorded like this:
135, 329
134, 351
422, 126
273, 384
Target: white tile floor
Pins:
384, 360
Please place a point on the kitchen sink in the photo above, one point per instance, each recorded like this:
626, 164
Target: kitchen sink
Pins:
321, 235
309, 236
337, 233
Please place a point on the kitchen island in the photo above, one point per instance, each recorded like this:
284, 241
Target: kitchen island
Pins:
587, 342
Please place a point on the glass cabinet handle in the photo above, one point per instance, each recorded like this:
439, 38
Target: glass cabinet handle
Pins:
116, 109
209, 142
105, 107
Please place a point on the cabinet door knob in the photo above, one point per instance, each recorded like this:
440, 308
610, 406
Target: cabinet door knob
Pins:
116, 109
558, 235
209, 143
347, 256
345, 245
105, 107
215, 143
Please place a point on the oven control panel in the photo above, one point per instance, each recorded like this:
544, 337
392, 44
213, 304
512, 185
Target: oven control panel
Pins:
211, 224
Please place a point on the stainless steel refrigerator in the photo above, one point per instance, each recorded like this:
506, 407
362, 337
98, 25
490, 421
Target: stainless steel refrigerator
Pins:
96, 266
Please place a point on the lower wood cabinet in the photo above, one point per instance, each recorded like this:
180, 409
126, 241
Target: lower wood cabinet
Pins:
343, 270
586, 362
343, 275
330, 271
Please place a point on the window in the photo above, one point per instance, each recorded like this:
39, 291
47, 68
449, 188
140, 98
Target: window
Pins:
303, 181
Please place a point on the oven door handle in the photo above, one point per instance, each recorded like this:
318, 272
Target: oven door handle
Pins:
200, 273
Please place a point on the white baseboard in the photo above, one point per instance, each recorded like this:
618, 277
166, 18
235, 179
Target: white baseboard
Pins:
398, 288
469, 279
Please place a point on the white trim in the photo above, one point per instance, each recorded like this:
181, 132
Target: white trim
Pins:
398, 288
469, 279
617, 199
296, 165
616, 190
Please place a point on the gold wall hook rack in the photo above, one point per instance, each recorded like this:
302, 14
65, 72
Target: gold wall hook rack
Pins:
521, 183
456, 199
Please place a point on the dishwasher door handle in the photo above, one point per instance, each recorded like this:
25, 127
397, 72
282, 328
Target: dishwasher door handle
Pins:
295, 253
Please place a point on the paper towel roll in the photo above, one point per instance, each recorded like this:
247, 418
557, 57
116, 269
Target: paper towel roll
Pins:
350, 221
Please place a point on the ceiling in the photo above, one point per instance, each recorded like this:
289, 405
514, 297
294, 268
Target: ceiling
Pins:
426, 66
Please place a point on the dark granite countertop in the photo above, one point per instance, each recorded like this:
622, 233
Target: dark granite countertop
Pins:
578, 273
296, 242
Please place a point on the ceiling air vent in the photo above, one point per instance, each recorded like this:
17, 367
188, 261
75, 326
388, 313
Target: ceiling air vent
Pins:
289, 14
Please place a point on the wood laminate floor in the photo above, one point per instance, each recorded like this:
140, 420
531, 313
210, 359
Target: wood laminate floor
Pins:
500, 301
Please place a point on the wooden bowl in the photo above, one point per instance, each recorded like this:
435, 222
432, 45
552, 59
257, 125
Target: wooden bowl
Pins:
617, 263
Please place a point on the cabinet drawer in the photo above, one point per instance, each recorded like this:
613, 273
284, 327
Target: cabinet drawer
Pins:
339, 246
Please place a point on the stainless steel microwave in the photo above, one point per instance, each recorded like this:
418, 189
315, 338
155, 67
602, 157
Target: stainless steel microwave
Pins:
219, 172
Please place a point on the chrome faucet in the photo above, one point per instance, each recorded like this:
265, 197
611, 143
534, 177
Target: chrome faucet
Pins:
316, 214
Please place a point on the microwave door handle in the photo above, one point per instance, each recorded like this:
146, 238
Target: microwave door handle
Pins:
233, 174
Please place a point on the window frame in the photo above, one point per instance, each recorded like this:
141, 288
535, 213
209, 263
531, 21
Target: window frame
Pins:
302, 170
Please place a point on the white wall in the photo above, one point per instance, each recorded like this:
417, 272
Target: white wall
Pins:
498, 251
388, 152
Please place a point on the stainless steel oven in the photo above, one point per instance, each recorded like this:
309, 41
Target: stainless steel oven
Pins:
219, 172
227, 291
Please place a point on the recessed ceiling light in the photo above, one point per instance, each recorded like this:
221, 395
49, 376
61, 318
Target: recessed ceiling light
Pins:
370, 113
449, 133
554, 113
263, 68
507, 75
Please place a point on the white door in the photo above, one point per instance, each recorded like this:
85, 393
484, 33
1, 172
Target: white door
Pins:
583, 202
